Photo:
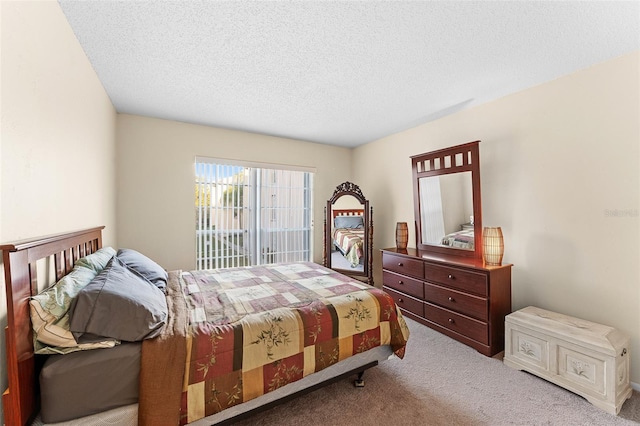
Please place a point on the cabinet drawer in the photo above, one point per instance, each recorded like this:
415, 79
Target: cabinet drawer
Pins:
466, 281
463, 303
474, 329
403, 265
404, 284
406, 302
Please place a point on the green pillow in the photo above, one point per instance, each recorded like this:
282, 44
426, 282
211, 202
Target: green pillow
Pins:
98, 260
50, 309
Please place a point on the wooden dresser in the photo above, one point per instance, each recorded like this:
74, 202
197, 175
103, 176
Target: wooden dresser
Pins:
457, 296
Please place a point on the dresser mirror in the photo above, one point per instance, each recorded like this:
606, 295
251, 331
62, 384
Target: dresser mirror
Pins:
348, 232
446, 210
447, 203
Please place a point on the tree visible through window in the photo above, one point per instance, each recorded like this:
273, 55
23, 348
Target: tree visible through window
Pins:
248, 215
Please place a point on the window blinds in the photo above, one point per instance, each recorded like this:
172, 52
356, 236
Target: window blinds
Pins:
251, 214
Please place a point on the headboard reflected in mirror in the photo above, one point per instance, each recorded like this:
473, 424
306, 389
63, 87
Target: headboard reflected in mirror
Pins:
447, 202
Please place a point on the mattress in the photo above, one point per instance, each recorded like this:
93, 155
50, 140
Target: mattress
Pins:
87, 382
128, 415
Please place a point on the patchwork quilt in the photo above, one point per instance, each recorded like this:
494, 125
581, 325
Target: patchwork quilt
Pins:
240, 333
350, 243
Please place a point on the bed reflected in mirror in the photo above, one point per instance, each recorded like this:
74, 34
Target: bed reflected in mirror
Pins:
347, 239
348, 233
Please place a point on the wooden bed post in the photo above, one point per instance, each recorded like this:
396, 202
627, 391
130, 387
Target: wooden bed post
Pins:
19, 398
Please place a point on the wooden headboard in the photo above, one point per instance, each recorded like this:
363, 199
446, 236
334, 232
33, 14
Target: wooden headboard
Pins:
20, 400
347, 212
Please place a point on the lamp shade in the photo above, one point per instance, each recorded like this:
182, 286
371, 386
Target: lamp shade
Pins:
492, 245
402, 235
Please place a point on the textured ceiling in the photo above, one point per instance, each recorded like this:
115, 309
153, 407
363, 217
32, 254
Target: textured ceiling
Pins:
340, 72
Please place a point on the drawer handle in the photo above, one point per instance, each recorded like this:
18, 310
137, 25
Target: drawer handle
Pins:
399, 263
451, 321
624, 352
451, 277
451, 299
400, 300
400, 282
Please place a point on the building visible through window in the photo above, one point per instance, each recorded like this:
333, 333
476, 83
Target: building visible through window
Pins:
251, 214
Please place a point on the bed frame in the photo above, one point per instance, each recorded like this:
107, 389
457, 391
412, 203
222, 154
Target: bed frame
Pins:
20, 400
347, 212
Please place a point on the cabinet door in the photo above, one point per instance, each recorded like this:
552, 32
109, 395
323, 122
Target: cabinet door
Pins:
528, 349
581, 370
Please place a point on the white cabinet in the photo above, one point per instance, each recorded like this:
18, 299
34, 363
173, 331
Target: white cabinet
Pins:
584, 357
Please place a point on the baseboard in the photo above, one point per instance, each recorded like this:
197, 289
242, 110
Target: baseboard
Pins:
635, 386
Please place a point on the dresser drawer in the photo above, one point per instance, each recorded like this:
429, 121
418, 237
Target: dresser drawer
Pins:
403, 265
463, 303
406, 302
474, 329
404, 284
466, 281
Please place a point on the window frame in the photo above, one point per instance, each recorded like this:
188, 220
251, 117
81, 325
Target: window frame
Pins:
207, 256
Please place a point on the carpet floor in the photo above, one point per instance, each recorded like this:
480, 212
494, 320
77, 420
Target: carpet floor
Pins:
443, 382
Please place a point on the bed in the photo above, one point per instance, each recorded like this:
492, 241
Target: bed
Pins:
232, 341
461, 239
348, 234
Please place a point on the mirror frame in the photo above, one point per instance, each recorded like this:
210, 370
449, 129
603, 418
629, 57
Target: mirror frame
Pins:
444, 162
342, 190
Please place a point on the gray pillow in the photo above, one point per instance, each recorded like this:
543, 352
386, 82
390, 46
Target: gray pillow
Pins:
144, 266
120, 304
349, 222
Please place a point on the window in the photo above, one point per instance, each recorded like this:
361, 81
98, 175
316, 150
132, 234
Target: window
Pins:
251, 214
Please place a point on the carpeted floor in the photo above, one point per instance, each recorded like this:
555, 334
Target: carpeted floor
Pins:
338, 261
443, 382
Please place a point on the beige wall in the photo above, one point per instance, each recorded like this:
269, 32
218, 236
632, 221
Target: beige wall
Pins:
57, 146
155, 181
556, 161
